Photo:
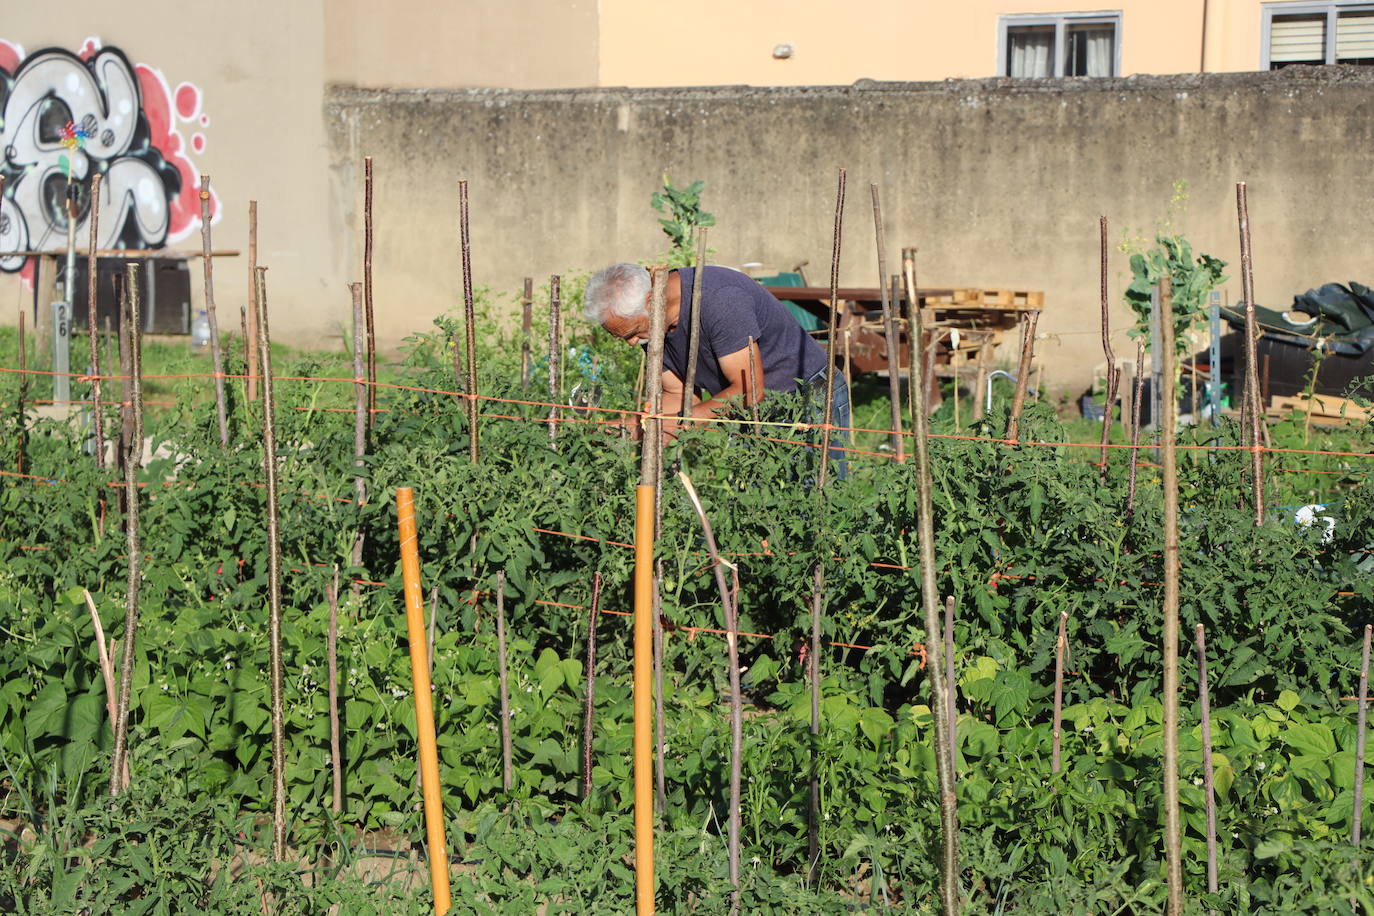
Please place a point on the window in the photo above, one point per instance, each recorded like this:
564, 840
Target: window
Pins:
1333, 32
1059, 44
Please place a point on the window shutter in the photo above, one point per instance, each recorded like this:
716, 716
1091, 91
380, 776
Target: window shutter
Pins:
1355, 36
1297, 38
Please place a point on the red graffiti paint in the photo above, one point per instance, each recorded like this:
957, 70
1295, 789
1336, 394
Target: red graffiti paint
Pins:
188, 101
184, 210
10, 56
198, 143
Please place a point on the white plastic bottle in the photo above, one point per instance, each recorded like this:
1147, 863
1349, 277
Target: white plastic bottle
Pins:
200, 331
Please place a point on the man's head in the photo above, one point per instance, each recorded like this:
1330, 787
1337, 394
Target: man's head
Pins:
617, 298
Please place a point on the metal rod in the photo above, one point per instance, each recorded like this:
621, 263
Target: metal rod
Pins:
1251, 364
216, 356
689, 396
133, 460
367, 293
1173, 850
470, 320
437, 845
589, 716
1209, 794
97, 420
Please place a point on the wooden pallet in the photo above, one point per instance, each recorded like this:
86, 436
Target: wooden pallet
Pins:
1324, 408
1000, 298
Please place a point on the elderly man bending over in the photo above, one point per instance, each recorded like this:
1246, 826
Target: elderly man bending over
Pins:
734, 310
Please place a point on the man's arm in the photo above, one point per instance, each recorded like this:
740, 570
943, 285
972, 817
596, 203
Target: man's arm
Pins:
735, 367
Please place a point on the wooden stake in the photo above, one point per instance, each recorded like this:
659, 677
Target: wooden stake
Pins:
526, 321
949, 815
470, 320
332, 648
216, 355
589, 717
951, 712
437, 851
730, 611
250, 340
1060, 647
555, 338
1209, 795
1018, 399
367, 293
269, 443
1251, 363
23, 394
360, 423
1173, 850
92, 271
890, 332
133, 461
1135, 425
507, 768
1113, 377
1360, 720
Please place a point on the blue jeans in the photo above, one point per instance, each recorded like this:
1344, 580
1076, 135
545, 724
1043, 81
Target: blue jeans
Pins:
839, 416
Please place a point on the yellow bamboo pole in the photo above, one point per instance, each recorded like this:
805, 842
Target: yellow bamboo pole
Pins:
424, 702
644, 699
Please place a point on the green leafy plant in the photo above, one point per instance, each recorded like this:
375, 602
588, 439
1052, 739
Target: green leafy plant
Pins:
1192, 278
682, 213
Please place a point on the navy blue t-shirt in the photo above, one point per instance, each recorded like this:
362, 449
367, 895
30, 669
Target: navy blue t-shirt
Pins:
734, 308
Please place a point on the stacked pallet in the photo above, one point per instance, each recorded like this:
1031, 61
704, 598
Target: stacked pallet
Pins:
1323, 408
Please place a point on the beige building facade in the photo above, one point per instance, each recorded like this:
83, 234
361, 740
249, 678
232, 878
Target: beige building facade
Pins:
279, 102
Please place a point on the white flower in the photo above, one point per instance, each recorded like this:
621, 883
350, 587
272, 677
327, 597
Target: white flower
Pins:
1260, 765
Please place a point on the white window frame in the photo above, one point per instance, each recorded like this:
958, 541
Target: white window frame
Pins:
1060, 21
1330, 8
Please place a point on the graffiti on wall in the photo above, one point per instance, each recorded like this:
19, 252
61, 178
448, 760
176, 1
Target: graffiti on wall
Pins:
65, 117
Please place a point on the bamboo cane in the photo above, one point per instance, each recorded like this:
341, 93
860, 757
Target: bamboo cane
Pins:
470, 320
433, 625
689, 396
133, 460
526, 320
589, 717
250, 340
507, 767
894, 363
1172, 820
367, 293
730, 610
1018, 399
269, 443
660, 719
949, 822
424, 700
1060, 645
332, 648
216, 355
1251, 365
555, 336
97, 420
107, 673
1209, 795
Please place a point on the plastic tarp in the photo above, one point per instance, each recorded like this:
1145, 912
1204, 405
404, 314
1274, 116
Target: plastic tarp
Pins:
1334, 318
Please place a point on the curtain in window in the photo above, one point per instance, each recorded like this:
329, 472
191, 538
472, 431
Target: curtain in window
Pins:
1100, 47
1030, 51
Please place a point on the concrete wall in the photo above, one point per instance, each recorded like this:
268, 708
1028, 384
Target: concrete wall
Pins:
999, 183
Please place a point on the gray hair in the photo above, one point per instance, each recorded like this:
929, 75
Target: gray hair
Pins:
619, 290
